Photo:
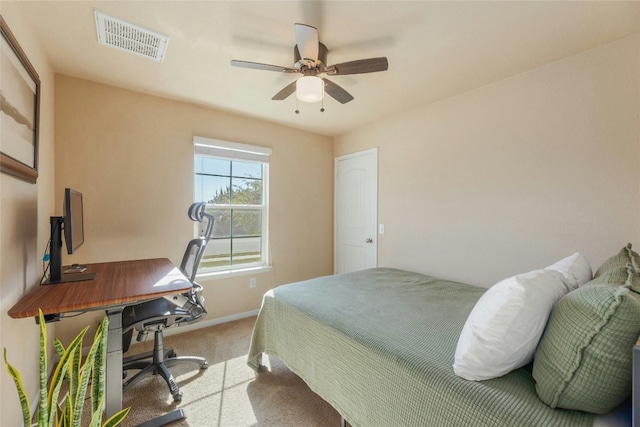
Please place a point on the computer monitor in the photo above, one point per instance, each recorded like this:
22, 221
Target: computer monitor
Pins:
73, 220
72, 223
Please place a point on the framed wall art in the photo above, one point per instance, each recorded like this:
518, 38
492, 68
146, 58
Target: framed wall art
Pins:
19, 109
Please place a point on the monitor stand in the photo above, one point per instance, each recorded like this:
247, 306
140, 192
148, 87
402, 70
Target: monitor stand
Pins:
56, 273
72, 277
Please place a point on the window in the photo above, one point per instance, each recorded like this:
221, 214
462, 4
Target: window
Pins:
233, 180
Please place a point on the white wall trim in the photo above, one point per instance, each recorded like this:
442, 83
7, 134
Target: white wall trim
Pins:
224, 274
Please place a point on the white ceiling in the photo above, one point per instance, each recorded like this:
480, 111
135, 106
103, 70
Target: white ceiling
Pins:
435, 49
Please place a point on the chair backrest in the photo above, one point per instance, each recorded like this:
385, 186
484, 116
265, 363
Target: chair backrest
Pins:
193, 301
153, 314
196, 247
191, 259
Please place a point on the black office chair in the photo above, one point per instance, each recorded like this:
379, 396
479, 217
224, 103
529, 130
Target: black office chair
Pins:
156, 315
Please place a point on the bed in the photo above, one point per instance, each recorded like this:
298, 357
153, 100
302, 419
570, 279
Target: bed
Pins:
378, 345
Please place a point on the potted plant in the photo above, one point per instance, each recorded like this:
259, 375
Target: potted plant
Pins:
68, 413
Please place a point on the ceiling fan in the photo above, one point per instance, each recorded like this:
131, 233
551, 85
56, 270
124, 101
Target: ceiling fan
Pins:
310, 59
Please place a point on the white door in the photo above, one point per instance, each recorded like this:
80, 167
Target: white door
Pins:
356, 211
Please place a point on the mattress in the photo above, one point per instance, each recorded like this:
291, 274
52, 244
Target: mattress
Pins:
378, 345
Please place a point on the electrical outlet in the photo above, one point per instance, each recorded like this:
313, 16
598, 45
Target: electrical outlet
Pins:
252, 282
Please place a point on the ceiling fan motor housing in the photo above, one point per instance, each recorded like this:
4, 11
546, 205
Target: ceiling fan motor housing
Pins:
320, 63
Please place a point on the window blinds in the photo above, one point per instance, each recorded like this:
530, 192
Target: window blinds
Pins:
230, 150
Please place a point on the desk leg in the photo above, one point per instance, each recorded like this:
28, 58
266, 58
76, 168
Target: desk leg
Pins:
114, 362
114, 374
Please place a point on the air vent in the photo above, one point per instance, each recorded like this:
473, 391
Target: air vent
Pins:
130, 38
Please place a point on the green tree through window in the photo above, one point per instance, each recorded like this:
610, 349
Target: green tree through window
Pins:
234, 193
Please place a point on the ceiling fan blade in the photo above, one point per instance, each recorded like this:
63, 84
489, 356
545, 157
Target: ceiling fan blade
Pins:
360, 66
307, 41
259, 66
285, 92
336, 92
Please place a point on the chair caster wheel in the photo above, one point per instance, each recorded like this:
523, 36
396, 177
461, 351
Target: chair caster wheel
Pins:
177, 397
205, 365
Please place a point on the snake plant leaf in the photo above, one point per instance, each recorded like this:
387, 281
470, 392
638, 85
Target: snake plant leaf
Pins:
99, 377
61, 370
78, 392
98, 382
53, 394
116, 418
86, 372
43, 403
72, 380
22, 395
63, 414
59, 347
77, 375
96, 415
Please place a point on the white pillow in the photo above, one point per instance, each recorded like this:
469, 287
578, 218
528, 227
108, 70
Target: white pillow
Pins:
503, 329
576, 269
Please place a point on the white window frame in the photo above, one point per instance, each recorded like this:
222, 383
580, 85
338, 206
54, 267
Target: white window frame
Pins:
238, 152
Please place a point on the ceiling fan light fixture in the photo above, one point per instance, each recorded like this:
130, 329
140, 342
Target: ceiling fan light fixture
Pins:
309, 89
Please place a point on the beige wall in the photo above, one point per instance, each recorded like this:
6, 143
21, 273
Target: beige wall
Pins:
24, 230
131, 155
514, 175
504, 178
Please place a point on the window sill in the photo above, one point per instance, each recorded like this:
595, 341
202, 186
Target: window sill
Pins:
223, 274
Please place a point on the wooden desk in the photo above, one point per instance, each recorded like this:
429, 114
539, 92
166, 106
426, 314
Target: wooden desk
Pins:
116, 285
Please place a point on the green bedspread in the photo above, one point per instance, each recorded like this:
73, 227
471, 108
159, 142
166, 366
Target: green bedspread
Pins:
378, 345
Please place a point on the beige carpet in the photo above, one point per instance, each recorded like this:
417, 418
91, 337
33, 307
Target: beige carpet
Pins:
228, 393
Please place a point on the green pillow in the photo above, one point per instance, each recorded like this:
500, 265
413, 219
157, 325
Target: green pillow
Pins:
614, 271
620, 261
584, 359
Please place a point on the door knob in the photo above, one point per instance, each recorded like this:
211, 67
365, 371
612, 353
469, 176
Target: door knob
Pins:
369, 240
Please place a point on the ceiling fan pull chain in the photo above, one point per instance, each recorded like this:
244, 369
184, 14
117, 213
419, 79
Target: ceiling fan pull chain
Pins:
322, 105
297, 110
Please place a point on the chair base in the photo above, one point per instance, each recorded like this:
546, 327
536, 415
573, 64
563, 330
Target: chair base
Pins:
161, 360
165, 419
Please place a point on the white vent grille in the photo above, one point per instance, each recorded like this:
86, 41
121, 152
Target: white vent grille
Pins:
130, 38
